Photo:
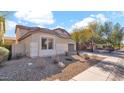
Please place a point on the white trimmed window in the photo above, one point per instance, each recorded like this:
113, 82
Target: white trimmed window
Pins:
46, 43
50, 43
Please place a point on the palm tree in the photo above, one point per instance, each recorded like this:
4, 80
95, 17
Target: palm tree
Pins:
3, 14
2, 28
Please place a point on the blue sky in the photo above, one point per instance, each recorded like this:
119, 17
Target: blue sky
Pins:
64, 19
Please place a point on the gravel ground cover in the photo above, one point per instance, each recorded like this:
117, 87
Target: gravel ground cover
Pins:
74, 68
36, 69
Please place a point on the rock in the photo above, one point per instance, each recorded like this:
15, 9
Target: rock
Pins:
61, 64
29, 64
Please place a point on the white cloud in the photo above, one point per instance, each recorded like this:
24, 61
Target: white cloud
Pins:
92, 18
36, 17
84, 22
92, 15
101, 18
58, 26
40, 26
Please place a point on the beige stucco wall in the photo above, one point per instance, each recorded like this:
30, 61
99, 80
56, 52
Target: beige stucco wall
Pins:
26, 42
18, 50
22, 47
60, 45
37, 39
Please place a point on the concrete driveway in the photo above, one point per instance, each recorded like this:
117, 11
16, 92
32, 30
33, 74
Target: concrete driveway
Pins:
110, 69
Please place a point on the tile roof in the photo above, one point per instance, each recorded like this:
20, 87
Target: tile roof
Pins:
62, 33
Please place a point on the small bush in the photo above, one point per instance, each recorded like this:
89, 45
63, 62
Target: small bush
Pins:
86, 56
4, 53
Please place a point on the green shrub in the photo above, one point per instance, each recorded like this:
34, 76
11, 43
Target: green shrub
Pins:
4, 53
10, 51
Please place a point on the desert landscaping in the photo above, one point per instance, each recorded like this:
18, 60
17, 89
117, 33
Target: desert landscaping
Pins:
91, 49
28, 69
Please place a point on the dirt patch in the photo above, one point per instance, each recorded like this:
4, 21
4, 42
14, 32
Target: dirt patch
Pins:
75, 68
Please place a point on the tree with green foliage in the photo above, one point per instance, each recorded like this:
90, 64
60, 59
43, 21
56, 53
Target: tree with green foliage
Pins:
107, 30
85, 35
117, 35
100, 34
81, 35
75, 35
104, 32
110, 35
96, 33
93, 30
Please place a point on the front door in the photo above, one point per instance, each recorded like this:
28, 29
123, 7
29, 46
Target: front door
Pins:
34, 49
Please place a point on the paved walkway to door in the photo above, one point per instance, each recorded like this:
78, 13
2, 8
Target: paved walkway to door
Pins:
110, 69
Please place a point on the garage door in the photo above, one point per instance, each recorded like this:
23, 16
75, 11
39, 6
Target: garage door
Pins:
70, 47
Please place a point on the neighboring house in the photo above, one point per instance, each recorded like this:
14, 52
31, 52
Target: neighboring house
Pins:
9, 40
35, 41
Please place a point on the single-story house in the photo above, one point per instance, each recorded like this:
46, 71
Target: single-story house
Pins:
36, 41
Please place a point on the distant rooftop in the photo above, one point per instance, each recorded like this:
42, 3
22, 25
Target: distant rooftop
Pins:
8, 37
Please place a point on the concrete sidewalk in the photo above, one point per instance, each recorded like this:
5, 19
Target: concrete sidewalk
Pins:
105, 70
